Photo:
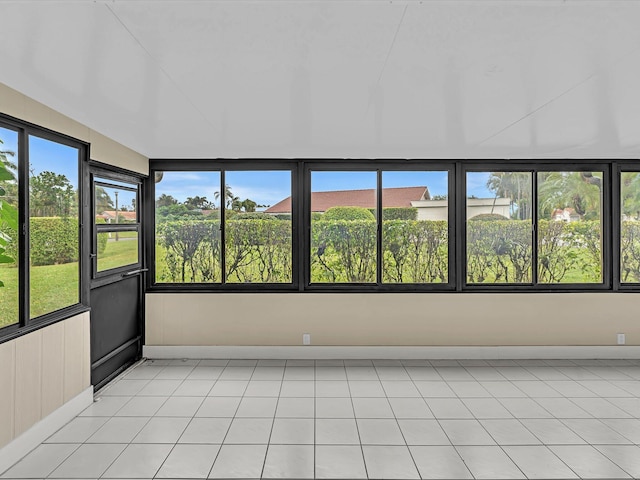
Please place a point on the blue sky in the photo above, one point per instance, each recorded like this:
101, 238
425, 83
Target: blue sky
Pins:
44, 155
269, 187
263, 187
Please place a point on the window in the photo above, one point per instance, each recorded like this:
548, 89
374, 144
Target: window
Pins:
415, 228
567, 232
343, 227
499, 227
239, 234
187, 212
257, 243
40, 226
570, 227
54, 233
115, 205
391, 225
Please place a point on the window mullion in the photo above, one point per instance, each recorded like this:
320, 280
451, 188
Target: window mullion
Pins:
534, 227
379, 220
23, 227
223, 243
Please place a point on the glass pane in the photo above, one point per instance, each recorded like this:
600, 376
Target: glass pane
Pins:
415, 215
115, 205
8, 227
117, 249
630, 227
53, 226
258, 246
187, 208
343, 227
570, 227
499, 227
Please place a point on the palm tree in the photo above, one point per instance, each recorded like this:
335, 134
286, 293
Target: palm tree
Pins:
515, 186
630, 193
581, 191
228, 196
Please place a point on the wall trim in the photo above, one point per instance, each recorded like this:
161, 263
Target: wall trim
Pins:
395, 352
15, 450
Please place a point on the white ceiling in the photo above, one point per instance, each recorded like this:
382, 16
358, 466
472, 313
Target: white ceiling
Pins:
342, 78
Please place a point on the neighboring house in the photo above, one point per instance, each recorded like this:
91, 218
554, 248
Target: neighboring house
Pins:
109, 216
565, 215
322, 201
417, 197
438, 209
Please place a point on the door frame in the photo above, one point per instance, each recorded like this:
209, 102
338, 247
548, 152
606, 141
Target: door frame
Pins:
101, 279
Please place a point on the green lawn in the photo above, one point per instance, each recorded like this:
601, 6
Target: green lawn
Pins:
117, 254
56, 286
52, 287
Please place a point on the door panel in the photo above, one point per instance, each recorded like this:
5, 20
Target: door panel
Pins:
115, 329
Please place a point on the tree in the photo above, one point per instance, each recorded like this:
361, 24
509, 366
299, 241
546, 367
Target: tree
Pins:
236, 204
581, 191
51, 195
103, 200
517, 187
249, 205
165, 200
630, 194
199, 203
228, 196
8, 214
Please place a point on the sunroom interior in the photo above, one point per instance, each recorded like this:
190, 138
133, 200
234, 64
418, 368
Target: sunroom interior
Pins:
315, 181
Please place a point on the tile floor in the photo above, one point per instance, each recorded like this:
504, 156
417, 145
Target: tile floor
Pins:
353, 419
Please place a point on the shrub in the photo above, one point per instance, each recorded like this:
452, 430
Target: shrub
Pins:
347, 213
397, 213
499, 251
192, 249
102, 238
415, 251
54, 240
258, 250
630, 252
344, 250
488, 217
252, 216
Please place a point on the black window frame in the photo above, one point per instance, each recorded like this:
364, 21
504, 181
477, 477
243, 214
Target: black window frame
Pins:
222, 166
619, 168
457, 171
536, 167
378, 167
26, 324
106, 175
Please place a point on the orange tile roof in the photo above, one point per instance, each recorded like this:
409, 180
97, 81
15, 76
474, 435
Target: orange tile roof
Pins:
112, 214
391, 197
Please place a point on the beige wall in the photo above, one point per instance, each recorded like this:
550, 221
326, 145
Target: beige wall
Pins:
392, 319
103, 149
41, 371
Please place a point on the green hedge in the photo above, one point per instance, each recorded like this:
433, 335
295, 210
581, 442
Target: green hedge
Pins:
414, 251
398, 213
257, 250
347, 213
54, 240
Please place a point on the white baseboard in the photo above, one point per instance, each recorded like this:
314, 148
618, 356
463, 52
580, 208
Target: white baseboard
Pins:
23, 444
394, 352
